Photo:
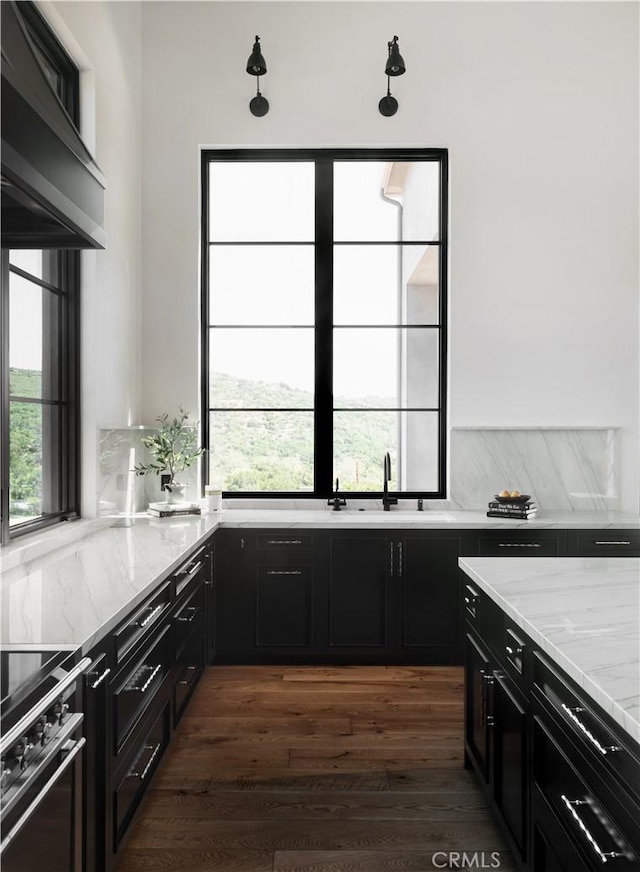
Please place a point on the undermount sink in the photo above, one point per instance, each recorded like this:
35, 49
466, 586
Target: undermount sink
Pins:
394, 515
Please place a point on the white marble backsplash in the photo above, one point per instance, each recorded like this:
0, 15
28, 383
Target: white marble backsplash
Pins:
563, 469
120, 490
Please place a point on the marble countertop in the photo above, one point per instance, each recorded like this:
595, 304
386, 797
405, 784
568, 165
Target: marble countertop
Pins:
66, 588
584, 612
429, 519
70, 597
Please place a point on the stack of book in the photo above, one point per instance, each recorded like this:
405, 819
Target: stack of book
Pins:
522, 509
172, 510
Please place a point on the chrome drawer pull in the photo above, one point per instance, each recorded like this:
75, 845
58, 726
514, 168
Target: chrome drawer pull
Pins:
604, 750
142, 775
284, 572
284, 542
189, 618
99, 681
603, 855
189, 682
511, 651
610, 542
142, 688
519, 545
149, 617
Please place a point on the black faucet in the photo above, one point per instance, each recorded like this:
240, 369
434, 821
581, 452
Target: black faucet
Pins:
337, 501
386, 499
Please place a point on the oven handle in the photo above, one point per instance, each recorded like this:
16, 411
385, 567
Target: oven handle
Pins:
25, 722
66, 763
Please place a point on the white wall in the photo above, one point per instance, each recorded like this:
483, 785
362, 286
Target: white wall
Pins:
104, 39
538, 106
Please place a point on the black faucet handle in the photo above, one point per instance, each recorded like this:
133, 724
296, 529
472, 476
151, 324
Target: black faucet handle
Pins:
337, 501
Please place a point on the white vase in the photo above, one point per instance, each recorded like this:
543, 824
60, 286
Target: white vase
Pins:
175, 493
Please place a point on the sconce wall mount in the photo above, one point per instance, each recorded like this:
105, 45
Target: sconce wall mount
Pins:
256, 66
395, 66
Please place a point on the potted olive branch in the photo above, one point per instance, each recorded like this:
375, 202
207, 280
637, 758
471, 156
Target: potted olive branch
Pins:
173, 449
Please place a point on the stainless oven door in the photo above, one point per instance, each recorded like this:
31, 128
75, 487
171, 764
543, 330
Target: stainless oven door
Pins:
45, 831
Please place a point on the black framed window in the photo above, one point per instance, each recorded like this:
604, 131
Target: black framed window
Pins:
324, 320
39, 360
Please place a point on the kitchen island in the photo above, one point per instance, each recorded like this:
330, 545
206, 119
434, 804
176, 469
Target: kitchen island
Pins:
552, 705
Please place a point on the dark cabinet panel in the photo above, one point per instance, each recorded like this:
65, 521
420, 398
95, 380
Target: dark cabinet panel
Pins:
430, 593
348, 596
284, 606
510, 782
516, 543
139, 768
358, 591
603, 543
135, 688
551, 849
265, 597
189, 668
478, 680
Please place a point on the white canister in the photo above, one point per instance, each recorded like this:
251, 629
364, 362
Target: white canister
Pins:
212, 498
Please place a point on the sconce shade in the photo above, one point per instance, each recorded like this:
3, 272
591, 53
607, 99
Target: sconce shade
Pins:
256, 65
395, 63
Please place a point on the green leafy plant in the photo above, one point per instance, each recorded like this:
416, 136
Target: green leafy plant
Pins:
173, 448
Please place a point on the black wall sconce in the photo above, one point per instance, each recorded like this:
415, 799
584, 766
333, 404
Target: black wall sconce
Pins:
395, 67
256, 66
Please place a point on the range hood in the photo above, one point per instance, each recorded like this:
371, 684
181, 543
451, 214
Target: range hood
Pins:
52, 189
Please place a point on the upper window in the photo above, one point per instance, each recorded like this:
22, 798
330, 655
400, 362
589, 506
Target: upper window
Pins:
324, 320
39, 363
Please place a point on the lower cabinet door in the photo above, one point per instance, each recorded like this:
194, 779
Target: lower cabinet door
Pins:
510, 782
359, 613
284, 595
478, 680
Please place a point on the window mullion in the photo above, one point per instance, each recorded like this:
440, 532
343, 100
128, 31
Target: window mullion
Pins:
323, 431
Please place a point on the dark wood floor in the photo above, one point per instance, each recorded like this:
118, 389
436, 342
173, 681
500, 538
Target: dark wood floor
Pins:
311, 769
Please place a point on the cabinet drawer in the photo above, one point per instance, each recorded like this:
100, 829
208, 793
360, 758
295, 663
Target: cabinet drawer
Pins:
188, 616
607, 750
471, 600
143, 763
551, 848
285, 541
520, 544
595, 828
137, 685
195, 567
605, 543
143, 621
190, 666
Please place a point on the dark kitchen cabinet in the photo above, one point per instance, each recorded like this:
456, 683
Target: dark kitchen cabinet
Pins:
562, 777
516, 543
351, 596
359, 605
265, 597
478, 677
603, 543
142, 676
496, 734
395, 597
430, 620
585, 779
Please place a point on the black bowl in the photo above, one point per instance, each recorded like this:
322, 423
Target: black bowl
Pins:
521, 499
